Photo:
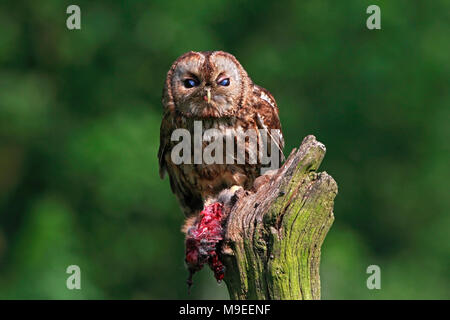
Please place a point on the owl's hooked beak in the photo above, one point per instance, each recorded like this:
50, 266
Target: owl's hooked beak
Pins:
208, 95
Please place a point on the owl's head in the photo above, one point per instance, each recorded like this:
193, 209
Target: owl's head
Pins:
206, 84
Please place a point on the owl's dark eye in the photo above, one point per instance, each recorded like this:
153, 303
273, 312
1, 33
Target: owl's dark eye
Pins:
190, 83
225, 82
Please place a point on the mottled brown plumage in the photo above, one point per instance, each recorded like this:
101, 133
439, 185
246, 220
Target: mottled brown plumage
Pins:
233, 105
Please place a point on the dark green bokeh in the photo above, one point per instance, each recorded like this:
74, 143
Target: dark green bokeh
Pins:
79, 129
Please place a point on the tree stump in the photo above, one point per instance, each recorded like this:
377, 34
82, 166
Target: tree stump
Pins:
273, 236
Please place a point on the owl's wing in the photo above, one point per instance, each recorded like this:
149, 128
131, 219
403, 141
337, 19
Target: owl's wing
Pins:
164, 140
266, 111
190, 202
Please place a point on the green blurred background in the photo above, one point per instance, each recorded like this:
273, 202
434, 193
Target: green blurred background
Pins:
79, 128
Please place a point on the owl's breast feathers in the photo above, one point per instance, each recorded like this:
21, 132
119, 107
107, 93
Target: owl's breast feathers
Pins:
193, 183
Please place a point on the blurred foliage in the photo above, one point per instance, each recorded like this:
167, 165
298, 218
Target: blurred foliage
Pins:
79, 129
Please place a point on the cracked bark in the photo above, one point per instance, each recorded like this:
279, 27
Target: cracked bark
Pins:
274, 235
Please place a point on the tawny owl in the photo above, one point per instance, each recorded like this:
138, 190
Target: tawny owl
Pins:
212, 87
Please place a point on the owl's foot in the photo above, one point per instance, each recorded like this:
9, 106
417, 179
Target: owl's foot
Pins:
235, 188
229, 196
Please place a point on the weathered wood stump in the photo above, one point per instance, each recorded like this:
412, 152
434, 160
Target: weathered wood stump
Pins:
274, 235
